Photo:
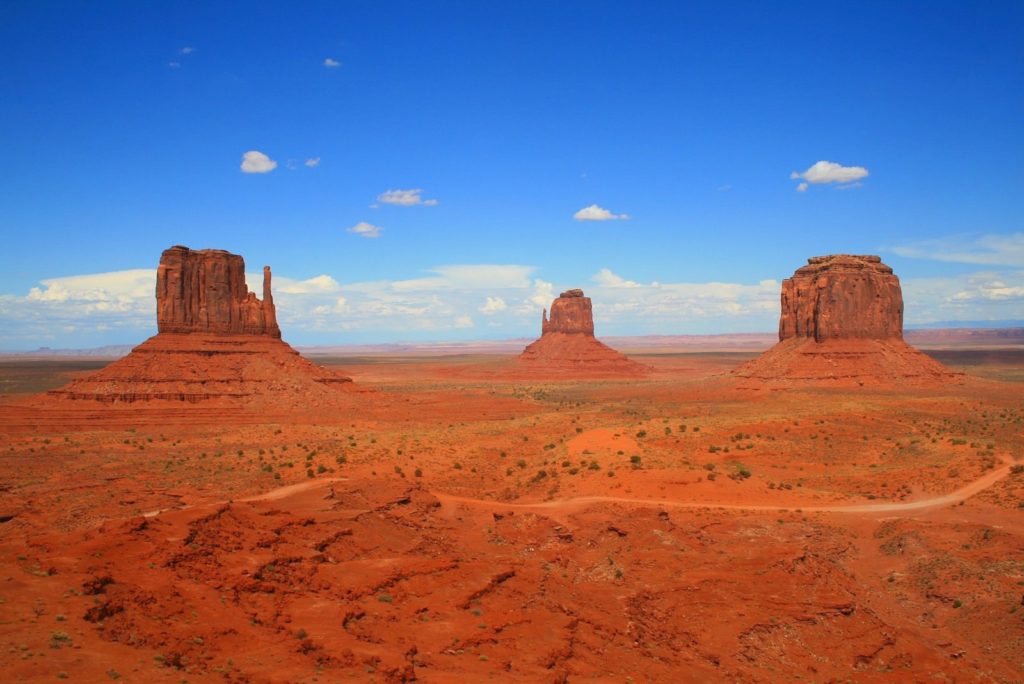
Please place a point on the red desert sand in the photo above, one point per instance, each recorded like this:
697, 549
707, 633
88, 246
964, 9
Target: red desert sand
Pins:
203, 515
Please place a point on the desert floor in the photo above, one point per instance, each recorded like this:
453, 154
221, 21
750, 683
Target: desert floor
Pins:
454, 520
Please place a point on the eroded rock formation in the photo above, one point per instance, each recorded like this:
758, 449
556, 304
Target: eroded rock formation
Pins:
570, 313
842, 323
842, 296
204, 291
216, 341
567, 342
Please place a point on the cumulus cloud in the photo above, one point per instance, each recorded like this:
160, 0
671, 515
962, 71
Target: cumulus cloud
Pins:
331, 63
596, 213
492, 306
464, 322
825, 172
316, 284
366, 230
607, 278
405, 198
187, 50
1006, 249
255, 161
312, 162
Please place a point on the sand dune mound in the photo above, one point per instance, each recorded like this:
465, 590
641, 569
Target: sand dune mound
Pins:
842, 324
216, 340
567, 343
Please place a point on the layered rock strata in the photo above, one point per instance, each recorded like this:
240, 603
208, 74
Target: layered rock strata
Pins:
204, 291
216, 340
842, 323
567, 342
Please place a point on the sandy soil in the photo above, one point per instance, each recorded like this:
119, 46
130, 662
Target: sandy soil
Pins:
456, 521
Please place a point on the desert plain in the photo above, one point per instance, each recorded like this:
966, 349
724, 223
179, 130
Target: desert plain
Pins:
456, 518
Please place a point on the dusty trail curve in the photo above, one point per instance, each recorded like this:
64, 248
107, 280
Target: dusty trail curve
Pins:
580, 502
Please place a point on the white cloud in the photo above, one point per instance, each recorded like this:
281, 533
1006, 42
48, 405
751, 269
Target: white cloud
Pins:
824, 172
331, 63
606, 278
543, 294
254, 161
366, 230
978, 296
596, 213
492, 306
174, 65
405, 198
1005, 249
187, 50
312, 162
317, 284
464, 322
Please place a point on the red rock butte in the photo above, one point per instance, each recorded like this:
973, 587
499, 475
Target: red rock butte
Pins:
842, 323
204, 291
215, 340
567, 342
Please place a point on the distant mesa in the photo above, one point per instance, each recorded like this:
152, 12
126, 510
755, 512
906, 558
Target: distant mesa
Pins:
215, 340
567, 342
842, 323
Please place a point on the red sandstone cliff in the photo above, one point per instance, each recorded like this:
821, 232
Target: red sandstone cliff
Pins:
842, 323
842, 296
216, 341
570, 313
567, 342
204, 291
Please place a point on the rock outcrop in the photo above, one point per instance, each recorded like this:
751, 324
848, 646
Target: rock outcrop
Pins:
216, 341
567, 342
571, 313
204, 291
842, 296
842, 323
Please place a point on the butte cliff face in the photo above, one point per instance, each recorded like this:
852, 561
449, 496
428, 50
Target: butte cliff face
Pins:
842, 296
204, 291
571, 313
567, 342
216, 341
842, 323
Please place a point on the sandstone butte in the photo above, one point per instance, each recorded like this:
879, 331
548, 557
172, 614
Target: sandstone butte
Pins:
215, 340
842, 323
567, 342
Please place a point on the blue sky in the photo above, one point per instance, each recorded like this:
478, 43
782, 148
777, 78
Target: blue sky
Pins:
125, 125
